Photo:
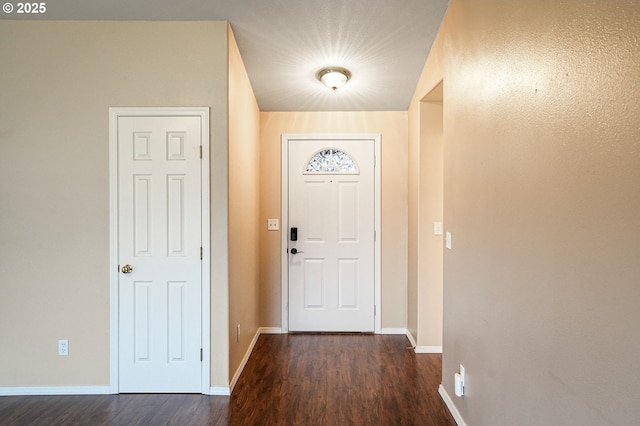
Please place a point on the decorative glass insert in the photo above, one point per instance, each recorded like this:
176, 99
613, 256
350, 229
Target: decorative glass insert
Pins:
331, 161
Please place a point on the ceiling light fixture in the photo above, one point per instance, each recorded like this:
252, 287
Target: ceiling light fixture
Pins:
333, 77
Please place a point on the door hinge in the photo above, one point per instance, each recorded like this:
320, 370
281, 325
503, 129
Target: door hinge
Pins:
375, 310
201, 357
375, 235
200, 151
375, 160
200, 253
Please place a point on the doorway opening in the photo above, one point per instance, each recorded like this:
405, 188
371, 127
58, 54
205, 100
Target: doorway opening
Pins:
430, 223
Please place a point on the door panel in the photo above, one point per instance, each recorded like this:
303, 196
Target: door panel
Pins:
314, 283
348, 211
348, 283
159, 235
331, 278
314, 195
175, 215
142, 322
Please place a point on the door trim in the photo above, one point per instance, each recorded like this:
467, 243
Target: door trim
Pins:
114, 114
284, 263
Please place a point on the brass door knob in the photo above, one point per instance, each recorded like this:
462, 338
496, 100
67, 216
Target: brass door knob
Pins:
126, 269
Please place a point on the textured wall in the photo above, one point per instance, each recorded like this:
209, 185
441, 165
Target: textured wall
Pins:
58, 81
542, 196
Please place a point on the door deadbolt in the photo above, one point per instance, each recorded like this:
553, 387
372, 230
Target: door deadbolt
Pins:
126, 269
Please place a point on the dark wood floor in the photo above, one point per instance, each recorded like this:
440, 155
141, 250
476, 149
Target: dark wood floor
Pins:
289, 380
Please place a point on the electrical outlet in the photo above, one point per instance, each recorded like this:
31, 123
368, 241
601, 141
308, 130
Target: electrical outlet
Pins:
63, 347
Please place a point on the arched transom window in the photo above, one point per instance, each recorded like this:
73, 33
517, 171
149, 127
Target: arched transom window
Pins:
331, 160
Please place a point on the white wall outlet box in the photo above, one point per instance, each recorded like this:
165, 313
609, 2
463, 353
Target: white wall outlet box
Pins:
447, 240
63, 347
437, 228
273, 224
459, 388
459, 382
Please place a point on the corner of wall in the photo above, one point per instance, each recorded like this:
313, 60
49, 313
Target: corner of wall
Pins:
244, 212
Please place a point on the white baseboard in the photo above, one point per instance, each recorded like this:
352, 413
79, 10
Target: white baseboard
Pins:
243, 363
214, 390
106, 390
450, 405
428, 349
417, 349
393, 331
270, 330
404, 331
55, 390
219, 391
411, 339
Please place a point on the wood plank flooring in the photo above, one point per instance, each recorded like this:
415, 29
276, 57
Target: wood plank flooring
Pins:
296, 379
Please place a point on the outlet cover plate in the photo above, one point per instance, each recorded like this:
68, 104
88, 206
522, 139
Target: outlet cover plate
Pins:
63, 347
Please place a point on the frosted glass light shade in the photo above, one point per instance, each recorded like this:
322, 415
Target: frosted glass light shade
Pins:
334, 78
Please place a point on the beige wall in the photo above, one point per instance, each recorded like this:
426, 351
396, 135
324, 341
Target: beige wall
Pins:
541, 194
244, 177
393, 128
58, 81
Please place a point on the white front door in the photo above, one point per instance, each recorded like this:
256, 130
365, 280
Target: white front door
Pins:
159, 253
331, 218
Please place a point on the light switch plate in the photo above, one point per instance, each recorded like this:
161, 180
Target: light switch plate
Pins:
447, 240
273, 224
437, 228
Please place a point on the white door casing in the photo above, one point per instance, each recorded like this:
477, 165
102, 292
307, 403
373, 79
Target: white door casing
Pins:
332, 282
161, 229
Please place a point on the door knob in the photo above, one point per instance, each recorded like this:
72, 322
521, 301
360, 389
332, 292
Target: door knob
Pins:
126, 269
295, 251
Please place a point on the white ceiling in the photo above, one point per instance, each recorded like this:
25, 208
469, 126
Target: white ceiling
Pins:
384, 43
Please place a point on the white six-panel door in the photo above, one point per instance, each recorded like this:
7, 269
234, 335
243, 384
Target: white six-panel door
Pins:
331, 265
159, 236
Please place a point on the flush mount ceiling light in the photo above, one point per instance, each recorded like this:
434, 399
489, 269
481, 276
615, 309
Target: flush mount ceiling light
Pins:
333, 77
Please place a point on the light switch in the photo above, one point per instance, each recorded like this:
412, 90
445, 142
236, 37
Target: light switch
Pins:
437, 228
447, 240
273, 224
